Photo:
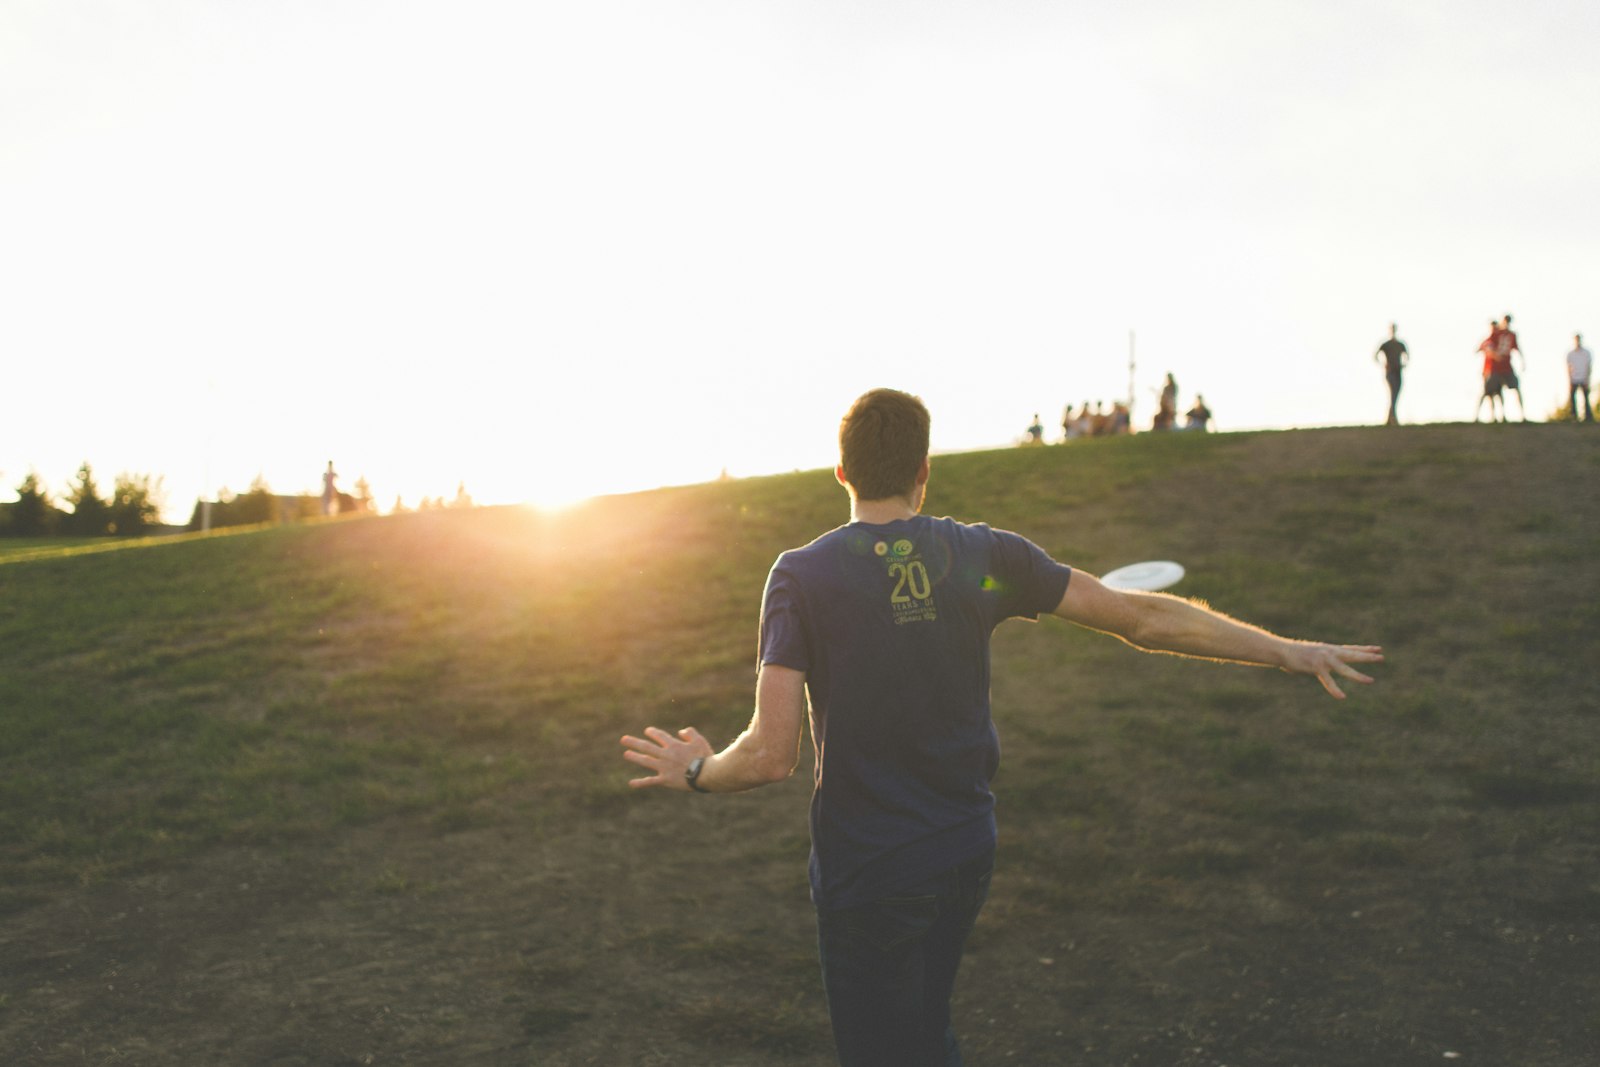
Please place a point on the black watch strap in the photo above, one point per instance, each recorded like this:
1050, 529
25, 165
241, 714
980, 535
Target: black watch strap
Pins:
691, 774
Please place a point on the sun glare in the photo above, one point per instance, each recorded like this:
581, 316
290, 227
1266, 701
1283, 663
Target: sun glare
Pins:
545, 272
558, 497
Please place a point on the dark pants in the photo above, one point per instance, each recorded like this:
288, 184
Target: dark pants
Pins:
889, 967
1583, 391
1394, 398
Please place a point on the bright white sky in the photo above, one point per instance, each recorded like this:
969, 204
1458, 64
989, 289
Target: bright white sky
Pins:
555, 248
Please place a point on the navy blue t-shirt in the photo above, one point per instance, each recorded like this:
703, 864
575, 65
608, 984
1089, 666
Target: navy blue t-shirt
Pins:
891, 624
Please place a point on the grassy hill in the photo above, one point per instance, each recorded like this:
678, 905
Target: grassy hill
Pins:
319, 793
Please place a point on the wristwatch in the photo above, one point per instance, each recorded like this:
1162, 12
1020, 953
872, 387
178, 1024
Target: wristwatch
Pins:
691, 774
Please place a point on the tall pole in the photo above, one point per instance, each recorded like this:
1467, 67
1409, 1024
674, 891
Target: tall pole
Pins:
205, 488
1130, 377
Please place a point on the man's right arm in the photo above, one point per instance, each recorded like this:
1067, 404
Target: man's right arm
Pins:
765, 753
1156, 622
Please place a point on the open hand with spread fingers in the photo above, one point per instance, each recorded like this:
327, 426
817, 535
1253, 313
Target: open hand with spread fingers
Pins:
665, 756
1330, 662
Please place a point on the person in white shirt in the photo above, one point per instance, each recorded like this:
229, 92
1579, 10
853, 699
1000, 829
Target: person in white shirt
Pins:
1578, 363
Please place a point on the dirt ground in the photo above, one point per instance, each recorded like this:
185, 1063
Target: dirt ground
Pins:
403, 945
491, 946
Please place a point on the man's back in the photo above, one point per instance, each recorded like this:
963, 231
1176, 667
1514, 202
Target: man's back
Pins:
1505, 343
891, 625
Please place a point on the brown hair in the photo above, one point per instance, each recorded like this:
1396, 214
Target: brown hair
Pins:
883, 440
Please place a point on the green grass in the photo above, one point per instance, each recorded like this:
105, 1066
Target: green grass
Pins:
17, 549
31, 547
471, 671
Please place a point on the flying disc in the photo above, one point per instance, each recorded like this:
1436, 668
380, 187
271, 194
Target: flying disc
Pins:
1149, 575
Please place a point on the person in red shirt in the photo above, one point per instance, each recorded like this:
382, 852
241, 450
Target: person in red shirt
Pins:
1506, 345
1492, 386
1498, 370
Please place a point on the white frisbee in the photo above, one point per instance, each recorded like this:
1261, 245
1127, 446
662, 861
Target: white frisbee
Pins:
1150, 575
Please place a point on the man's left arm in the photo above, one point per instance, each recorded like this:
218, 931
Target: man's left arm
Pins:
767, 751
1157, 622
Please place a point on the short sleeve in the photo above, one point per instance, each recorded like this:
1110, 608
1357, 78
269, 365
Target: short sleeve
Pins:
784, 640
1029, 581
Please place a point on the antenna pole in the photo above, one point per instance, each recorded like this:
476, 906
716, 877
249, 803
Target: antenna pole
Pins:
1130, 376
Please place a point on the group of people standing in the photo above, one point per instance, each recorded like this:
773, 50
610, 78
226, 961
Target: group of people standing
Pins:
1499, 372
1097, 421
1196, 418
1103, 420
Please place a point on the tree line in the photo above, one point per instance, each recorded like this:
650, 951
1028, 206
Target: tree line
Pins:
132, 509
260, 504
134, 505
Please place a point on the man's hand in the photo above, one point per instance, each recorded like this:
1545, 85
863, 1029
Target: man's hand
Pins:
666, 756
1326, 661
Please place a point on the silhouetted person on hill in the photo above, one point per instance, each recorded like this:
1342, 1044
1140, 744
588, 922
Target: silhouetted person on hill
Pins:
1579, 362
1077, 425
1036, 431
1394, 356
1492, 388
330, 491
1121, 418
884, 624
1167, 408
1199, 416
1100, 421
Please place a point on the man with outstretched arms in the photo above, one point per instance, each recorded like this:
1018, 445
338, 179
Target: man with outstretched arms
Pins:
885, 623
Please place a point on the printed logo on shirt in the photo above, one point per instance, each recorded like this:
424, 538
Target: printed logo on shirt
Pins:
911, 594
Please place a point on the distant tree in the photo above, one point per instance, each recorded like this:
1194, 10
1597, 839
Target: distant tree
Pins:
135, 504
241, 509
258, 505
34, 514
198, 519
91, 516
463, 498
